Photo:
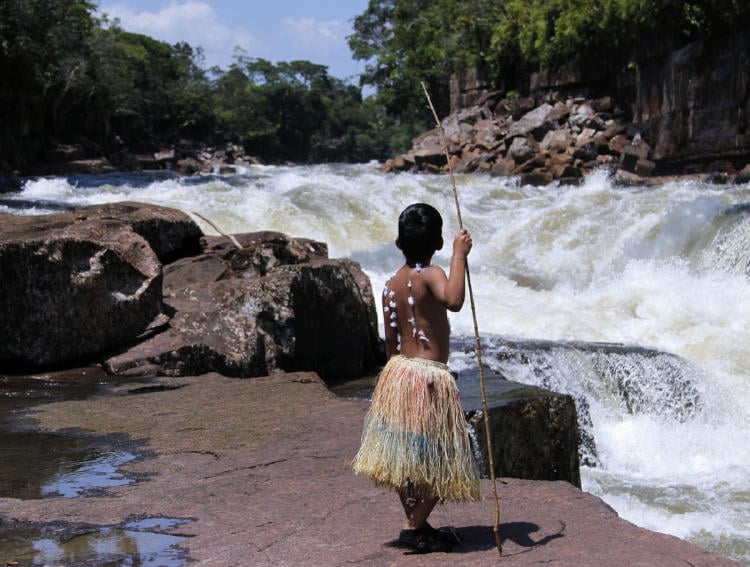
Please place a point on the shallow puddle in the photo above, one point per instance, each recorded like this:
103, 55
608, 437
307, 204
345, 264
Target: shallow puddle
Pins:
138, 542
42, 465
46, 465
35, 464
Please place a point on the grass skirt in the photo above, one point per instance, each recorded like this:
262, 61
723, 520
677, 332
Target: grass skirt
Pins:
415, 433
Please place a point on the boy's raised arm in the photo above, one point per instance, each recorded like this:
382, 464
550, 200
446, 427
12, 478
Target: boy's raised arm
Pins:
451, 291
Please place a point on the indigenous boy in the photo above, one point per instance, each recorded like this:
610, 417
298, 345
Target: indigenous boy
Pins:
415, 435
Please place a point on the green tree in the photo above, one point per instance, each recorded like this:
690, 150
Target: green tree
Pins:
291, 111
43, 69
149, 92
547, 33
405, 42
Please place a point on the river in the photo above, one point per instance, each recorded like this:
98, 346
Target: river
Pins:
664, 268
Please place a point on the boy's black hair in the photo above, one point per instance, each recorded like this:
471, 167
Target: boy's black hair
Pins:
420, 232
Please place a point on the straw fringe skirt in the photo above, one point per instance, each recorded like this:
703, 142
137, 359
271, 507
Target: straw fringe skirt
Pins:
415, 433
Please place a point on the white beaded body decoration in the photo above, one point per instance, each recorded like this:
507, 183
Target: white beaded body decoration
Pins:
391, 313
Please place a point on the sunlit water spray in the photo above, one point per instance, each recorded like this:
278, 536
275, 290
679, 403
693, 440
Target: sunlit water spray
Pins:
662, 268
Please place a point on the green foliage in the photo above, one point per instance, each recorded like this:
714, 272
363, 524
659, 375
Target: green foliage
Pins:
404, 42
295, 111
153, 92
66, 76
44, 70
407, 42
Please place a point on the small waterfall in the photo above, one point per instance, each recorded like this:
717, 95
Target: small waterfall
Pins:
613, 379
729, 250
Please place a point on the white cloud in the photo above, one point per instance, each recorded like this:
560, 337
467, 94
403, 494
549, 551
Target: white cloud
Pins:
193, 22
316, 36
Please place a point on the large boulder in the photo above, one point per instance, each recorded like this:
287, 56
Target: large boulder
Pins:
535, 123
90, 281
77, 283
274, 303
534, 431
170, 233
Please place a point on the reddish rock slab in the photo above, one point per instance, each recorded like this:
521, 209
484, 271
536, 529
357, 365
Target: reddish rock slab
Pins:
262, 467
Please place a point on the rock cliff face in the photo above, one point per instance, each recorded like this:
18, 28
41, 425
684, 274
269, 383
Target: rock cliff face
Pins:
693, 104
684, 111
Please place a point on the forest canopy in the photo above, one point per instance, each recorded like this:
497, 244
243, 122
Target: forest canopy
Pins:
70, 76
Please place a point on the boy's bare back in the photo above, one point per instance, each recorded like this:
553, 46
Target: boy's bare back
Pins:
420, 297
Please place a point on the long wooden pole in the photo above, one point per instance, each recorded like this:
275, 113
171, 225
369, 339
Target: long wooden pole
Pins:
485, 412
217, 229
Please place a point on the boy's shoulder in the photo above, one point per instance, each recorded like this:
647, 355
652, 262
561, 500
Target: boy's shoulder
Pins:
429, 277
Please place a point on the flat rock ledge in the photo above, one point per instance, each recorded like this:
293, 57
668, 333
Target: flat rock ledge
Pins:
266, 481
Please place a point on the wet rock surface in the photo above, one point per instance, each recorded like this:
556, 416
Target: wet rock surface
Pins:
265, 481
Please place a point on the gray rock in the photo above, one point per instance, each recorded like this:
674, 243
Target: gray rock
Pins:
73, 287
537, 178
278, 303
432, 154
523, 149
502, 168
535, 123
744, 175
535, 435
632, 153
644, 167
557, 141
581, 114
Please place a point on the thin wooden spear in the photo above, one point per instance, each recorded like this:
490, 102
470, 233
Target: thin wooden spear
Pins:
491, 458
217, 229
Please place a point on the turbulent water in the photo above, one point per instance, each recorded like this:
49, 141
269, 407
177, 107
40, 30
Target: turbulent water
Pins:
661, 272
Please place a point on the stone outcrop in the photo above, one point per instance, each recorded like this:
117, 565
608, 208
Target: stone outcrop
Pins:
263, 469
679, 111
534, 431
274, 303
541, 140
77, 283
90, 283
93, 283
694, 104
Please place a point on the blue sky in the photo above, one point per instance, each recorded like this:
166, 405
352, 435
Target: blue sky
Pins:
277, 30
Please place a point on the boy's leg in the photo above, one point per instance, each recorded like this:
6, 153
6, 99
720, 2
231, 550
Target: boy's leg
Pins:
417, 533
417, 511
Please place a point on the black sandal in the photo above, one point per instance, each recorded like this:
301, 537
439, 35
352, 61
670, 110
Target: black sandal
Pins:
426, 540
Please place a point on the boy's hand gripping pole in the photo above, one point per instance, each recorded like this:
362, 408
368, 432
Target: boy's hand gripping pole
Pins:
491, 460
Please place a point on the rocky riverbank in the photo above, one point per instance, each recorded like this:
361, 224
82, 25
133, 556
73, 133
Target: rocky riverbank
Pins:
184, 158
260, 467
546, 138
139, 290
259, 473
